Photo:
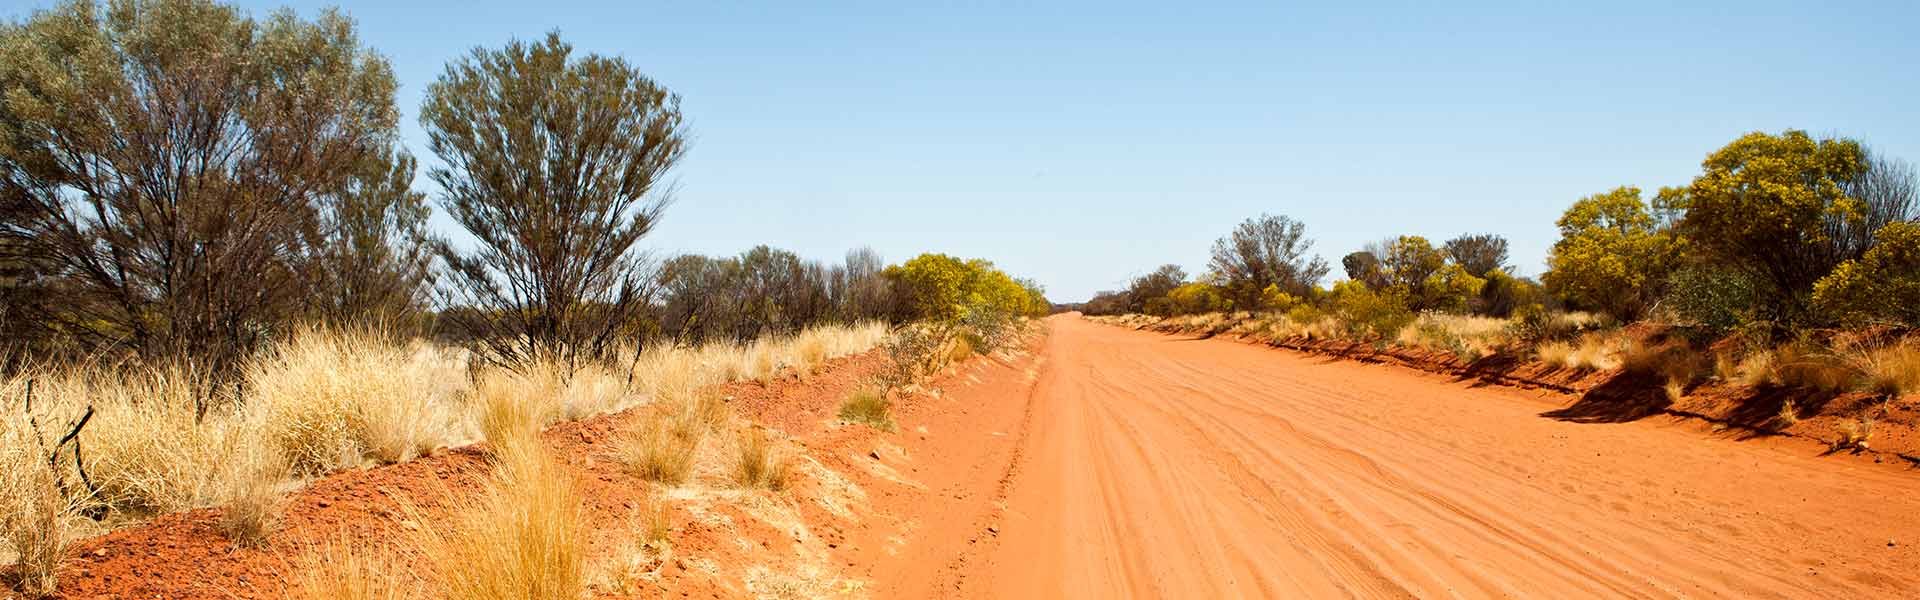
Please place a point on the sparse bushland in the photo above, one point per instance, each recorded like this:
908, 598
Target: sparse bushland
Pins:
1790, 264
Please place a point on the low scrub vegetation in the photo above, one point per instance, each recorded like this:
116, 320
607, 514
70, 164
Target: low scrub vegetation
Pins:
868, 405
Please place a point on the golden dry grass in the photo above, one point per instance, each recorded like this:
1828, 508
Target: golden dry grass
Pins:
336, 398
868, 405
253, 513
160, 441
758, 464
1597, 351
349, 569
34, 517
661, 448
523, 538
1892, 370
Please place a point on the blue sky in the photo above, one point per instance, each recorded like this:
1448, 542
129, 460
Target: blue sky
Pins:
1081, 144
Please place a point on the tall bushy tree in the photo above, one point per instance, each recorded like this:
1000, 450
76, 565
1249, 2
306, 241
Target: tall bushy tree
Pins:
1263, 251
554, 164
1614, 252
173, 158
1145, 290
1764, 204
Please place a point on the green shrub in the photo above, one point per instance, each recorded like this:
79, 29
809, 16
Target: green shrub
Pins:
1198, 298
1714, 298
1380, 315
1883, 286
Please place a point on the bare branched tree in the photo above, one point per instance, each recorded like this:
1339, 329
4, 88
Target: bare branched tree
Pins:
554, 165
1478, 254
1888, 192
172, 158
375, 266
1268, 250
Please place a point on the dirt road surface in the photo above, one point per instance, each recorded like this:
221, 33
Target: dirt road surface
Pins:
1159, 466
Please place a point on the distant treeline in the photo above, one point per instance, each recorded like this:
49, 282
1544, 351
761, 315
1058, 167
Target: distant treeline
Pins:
1780, 233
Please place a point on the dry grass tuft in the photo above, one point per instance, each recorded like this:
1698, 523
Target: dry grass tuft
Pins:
959, 349
868, 405
662, 447
524, 538
1854, 434
253, 513
34, 517
1892, 370
759, 465
1799, 366
348, 570
1788, 416
508, 417
334, 398
149, 448
1757, 370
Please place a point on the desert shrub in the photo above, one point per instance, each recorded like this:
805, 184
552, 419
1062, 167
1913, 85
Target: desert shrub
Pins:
1367, 313
1480, 255
1614, 254
1450, 289
1305, 313
1198, 297
946, 290
1502, 294
1763, 204
1263, 251
1712, 298
868, 405
758, 465
912, 352
1882, 286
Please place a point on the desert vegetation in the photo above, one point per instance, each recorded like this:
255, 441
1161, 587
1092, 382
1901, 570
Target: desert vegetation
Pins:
1787, 264
219, 284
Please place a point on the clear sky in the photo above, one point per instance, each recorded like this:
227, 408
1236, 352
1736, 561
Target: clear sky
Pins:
1081, 144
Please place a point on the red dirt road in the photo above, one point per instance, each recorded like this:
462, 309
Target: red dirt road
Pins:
1158, 466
